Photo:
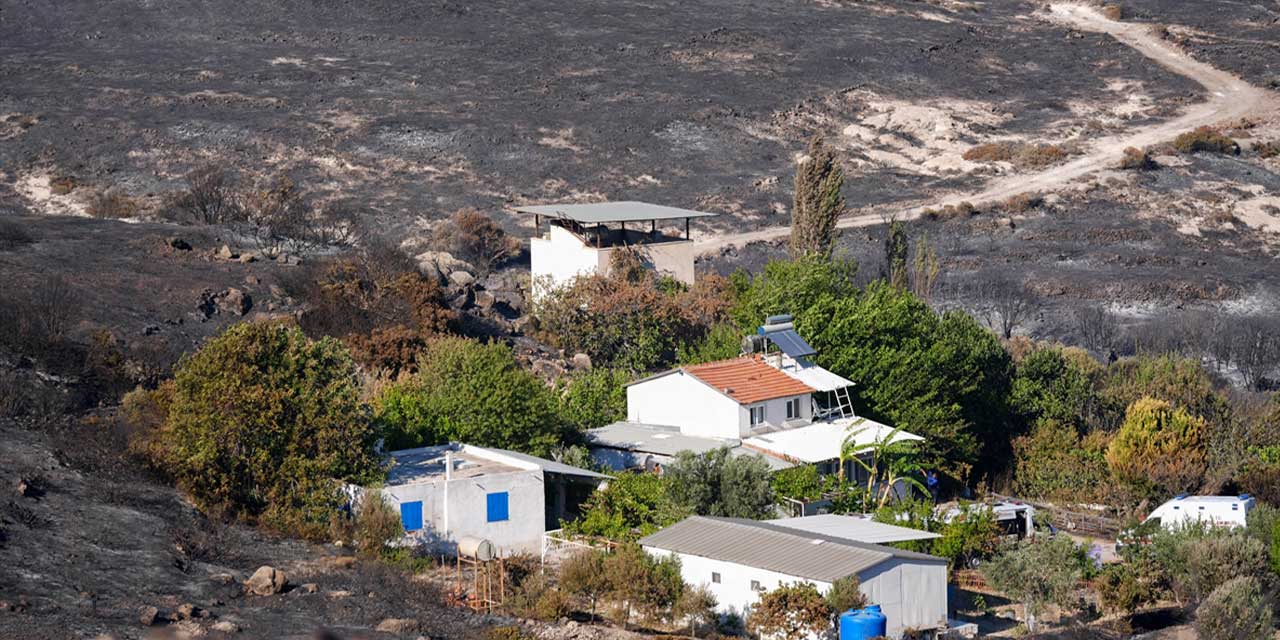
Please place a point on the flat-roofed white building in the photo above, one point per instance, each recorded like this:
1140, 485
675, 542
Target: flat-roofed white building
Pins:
582, 238
738, 560
448, 492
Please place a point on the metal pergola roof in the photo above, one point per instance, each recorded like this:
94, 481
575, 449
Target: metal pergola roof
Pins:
605, 212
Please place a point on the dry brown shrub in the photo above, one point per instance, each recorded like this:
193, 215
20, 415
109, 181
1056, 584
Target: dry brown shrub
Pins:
1113, 11
62, 185
1022, 203
473, 236
1136, 159
111, 203
1206, 139
1269, 149
991, 152
952, 212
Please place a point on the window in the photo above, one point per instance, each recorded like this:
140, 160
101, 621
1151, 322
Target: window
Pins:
411, 515
715, 577
496, 507
755, 585
793, 408
757, 415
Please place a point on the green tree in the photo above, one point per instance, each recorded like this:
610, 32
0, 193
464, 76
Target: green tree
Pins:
717, 483
1158, 447
895, 254
818, 202
790, 612
971, 534
916, 513
845, 594
595, 398
697, 605
265, 424
1049, 385
1036, 574
465, 391
1054, 462
941, 377
582, 574
722, 341
887, 460
790, 286
1239, 609
632, 506
640, 581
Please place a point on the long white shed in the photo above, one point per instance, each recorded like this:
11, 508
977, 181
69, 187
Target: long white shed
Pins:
740, 559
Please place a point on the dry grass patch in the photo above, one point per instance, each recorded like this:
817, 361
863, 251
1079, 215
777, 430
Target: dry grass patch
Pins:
1136, 159
1021, 155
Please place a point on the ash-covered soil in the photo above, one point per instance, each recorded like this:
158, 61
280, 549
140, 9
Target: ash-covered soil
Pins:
1242, 37
418, 109
96, 541
1197, 235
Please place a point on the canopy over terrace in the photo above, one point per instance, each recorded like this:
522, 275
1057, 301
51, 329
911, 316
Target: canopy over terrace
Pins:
591, 218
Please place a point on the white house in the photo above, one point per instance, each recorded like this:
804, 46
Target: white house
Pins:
774, 403
579, 240
448, 492
737, 560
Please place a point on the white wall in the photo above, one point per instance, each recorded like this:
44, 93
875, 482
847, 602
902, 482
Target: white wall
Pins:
674, 259
775, 415
467, 510
680, 400
912, 595
559, 257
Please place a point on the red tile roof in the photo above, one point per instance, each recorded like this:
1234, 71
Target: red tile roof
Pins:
748, 380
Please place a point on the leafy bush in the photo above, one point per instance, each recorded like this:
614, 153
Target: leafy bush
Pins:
465, 391
1198, 566
790, 612
1136, 159
377, 525
630, 319
1237, 610
13, 235
1054, 462
717, 483
972, 534
535, 597
1127, 586
632, 506
1158, 447
1205, 139
801, 482
474, 237
582, 575
1262, 481
638, 580
594, 398
265, 423
845, 594
1036, 573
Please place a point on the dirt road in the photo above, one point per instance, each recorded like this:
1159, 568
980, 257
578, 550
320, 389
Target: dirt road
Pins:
1230, 98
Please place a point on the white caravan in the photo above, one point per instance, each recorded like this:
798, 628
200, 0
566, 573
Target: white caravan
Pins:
1217, 511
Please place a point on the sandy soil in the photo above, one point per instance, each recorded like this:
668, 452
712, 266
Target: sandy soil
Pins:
1230, 98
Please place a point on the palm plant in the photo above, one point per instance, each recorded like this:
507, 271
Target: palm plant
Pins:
887, 461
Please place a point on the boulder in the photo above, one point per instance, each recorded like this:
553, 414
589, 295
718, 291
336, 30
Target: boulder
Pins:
246, 258
227, 254
25, 488
187, 611
398, 625
266, 581
439, 264
461, 278
309, 587
235, 301
485, 299
581, 361
225, 626
148, 616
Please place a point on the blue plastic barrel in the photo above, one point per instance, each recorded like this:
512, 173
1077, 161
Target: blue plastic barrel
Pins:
862, 624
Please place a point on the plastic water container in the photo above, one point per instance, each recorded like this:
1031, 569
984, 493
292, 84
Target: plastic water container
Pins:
862, 624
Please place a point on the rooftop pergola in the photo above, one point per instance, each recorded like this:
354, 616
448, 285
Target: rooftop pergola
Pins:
592, 218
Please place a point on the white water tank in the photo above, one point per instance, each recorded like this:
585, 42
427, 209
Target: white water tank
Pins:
477, 549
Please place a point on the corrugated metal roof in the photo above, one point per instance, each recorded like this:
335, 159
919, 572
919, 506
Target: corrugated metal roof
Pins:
602, 212
748, 380
751, 543
668, 441
550, 465
854, 528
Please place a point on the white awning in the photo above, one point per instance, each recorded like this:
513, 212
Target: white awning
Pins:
822, 441
818, 378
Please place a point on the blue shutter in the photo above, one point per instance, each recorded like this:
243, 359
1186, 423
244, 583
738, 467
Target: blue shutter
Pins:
411, 515
496, 506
